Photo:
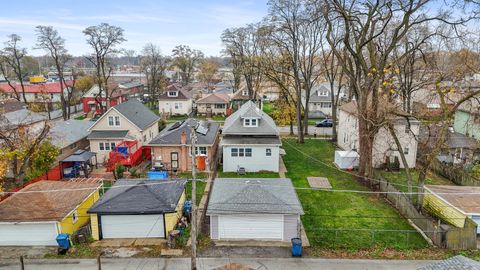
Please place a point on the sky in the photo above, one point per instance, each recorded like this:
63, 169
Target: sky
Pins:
198, 24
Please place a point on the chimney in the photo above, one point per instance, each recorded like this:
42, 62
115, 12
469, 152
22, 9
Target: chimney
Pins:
183, 138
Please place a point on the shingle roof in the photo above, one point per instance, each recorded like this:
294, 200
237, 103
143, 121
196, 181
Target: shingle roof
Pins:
468, 203
64, 133
183, 94
234, 123
455, 263
46, 206
11, 105
171, 135
141, 196
214, 98
20, 117
107, 134
314, 97
253, 195
251, 140
238, 95
137, 113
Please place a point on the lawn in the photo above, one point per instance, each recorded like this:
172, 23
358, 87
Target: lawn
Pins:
343, 220
399, 179
200, 185
268, 107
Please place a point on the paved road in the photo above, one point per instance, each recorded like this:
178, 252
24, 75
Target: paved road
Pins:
210, 263
285, 130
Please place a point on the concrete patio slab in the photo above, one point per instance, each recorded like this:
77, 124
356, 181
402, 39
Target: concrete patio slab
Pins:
171, 252
319, 182
121, 242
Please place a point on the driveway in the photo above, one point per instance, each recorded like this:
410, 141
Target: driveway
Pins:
320, 131
210, 263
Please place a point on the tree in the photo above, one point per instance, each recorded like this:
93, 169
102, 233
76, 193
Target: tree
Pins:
154, 64
208, 70
50, 40
185, 59
11, 66
84, 83
42, 159
103, 39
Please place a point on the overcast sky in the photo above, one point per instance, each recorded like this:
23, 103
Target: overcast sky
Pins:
197, 23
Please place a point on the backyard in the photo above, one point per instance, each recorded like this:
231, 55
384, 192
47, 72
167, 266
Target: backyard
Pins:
201, 177
343, 220
399, 179
263, 174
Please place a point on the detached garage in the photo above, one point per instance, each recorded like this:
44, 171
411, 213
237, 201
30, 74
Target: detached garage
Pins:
138, 209
254, 209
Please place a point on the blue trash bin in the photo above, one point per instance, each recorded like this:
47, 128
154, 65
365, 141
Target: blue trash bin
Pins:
63, 240
296, 247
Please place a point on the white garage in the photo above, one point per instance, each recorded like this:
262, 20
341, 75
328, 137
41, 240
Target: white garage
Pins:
268, 227
28, 234
132, 226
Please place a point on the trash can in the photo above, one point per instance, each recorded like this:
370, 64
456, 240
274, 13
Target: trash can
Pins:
296, 247
63, 240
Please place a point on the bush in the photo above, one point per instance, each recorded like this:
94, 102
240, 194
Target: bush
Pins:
119, 170
476, 170
133, 173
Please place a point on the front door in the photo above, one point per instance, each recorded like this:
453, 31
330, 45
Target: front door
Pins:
174, 160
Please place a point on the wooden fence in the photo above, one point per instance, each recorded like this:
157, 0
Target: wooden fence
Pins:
455, 174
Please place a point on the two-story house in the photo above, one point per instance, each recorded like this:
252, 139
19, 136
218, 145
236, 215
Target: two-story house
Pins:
175, 100
250, 141
119, 92
384, 144
127, 121
467, 119
320, 101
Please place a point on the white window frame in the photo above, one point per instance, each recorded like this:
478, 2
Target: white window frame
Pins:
250, 122
111, 121
172, 93
234, 152
245, 93
117, 121
107, 146
101, 146
201, 151
248, 152
112, 145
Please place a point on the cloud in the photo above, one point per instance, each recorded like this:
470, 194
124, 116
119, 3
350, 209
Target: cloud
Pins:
32, 22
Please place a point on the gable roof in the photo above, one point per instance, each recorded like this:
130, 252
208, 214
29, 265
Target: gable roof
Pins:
214, 98
314, 97
455, 263
140, 196
171, 134
253, 195
46, 201
234, 123
183, 94
238, 95
64, 133
20, 117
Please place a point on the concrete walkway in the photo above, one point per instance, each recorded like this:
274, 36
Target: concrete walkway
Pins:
282, 169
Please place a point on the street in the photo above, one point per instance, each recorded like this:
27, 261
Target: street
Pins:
320, 131
211, 263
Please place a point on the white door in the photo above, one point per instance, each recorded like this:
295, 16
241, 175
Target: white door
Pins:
132, 226
261, 227
477, 220
28, 234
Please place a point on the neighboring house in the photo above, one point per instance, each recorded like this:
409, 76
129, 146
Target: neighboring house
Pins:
120, 92
453, 204
241, 96
70, 136
467, 119
127, 121
11, 105
24, 120
138, 209
175, 100
320, 102
458, 262
171, 147
254, 209
384, 145
43, 92
250, 141
214, 104
41, 211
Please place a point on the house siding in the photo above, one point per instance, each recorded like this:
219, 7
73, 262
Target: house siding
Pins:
94, 225
214, 227
466, 124
202, 109
171, 219
168, 106
83, 218
257, 162
290, 227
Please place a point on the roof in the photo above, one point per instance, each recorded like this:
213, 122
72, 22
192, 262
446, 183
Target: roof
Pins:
21, 117
53, 87
130, 84
11, 105
64, 133
140, 196
79, 156
455, 263
314, 97
238, 95
183, 94
349, 107
171, 134
459, 140
251, 140
42, 204
107, 134
467, 203
137, 113
234, 123
214, 98
253, 195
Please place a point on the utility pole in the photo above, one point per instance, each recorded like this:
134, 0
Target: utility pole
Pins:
193, 236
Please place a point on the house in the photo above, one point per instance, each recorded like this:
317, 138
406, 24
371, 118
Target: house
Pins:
11, 105
254, 209
385, 147
320, 102
129, 121
458, 262
467, 119
43, 92
138, 209
171, 147
41, 211
23, 120
453, 204
213, 104
241, 96
70, 136
120, 92
175, 100
250, 141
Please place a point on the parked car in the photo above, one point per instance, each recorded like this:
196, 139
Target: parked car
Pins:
324, 123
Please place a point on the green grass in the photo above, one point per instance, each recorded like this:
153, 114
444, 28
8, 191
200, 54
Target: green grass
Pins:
263, 174
268, 107
400, 179
330, 217
81, 117
200, 184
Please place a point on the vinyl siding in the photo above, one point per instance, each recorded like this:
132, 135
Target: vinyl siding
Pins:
94, 226
257, 162
465, 124
443, 210
168, 106
83, 218
214, 227
290, 227
172, 218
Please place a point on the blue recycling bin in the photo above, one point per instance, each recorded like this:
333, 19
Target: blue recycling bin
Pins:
296, 247
63, 240
187, 207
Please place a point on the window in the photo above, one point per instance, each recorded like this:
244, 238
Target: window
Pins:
407, 128
234, 152
107, 146
51, 96
114, 121
326, 105
74, 217
250, 122
178, 106
220, 106
144, 138
117, 120
172, 93
201, 151
268, 152
246, 122
112, 145
254, 122
322, 93
248, 152
110, 120
100, 146
405, 150
245, 93
241, 152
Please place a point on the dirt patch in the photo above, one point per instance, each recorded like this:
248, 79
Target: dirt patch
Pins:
26, 252
122, 252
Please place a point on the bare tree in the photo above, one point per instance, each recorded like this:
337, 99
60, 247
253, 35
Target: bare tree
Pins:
185, 59
208, 70
154, 64
103, 39
12, 56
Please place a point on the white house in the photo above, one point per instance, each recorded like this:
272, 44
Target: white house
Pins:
383, 146
175, 101
250, 141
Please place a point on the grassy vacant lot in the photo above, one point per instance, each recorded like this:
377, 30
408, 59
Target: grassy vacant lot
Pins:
343, 220
399, 179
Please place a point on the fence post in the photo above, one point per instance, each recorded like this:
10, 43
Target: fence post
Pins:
373, 237
99, 263
22, 265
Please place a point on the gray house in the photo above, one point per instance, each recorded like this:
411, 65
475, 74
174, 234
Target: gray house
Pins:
250, 141
320, 102
254, 209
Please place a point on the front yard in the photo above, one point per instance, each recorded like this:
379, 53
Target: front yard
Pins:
343, 220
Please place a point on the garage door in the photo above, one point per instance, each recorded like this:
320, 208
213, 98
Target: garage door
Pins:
477, 220
268, 227
28, 234
132, 226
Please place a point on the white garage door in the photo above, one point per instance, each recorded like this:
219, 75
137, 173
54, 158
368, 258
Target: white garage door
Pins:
477, 220
28, 234
268, 227
132, 226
